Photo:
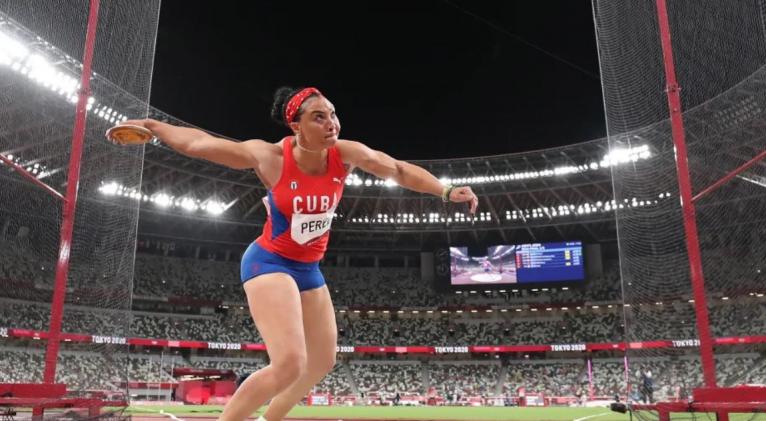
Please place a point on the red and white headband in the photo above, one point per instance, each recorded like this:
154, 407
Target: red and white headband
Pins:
294, 104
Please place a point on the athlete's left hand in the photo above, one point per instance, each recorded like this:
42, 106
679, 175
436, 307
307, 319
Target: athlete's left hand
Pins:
464, 194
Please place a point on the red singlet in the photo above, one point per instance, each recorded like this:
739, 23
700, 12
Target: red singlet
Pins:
300, 208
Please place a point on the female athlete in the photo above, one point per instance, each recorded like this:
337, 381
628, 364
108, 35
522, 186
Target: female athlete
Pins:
286, 292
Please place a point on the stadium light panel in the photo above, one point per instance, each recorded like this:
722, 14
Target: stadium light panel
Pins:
214, 207
188, 204
163, 200
614, 157
37, 68
10, 49
109, 189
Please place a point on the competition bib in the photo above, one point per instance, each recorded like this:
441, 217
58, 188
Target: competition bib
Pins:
306, 227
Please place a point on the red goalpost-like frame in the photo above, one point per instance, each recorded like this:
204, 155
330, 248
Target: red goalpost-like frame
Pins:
721, 401
70, 200
48, 394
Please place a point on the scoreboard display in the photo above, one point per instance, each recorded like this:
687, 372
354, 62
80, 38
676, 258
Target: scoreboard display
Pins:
518, 264
546, 262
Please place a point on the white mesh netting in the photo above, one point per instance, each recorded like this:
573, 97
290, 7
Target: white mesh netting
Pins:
41, 53
719, 51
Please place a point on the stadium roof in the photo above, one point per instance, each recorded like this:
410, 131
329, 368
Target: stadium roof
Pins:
549, 194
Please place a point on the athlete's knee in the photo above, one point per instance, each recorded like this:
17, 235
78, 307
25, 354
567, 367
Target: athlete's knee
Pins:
329, 361
289, 367
321, 365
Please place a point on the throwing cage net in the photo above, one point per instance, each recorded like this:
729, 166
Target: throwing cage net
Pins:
684, 80
69, 70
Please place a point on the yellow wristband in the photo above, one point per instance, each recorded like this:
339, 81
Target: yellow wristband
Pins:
446, 192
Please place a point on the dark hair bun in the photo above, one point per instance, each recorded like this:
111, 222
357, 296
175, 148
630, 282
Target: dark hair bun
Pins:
281, 96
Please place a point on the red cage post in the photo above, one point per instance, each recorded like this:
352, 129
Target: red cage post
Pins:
687, 204
70, 200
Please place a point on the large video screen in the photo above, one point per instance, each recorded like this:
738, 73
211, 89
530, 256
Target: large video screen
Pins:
518, 264
498, 266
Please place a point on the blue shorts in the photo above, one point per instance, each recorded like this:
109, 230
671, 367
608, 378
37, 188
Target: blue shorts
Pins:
258, 261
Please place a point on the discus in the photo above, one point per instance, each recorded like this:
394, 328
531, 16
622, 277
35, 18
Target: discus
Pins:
129, 135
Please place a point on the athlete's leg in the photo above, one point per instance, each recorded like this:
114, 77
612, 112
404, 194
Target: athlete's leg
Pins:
321, 341
275, 305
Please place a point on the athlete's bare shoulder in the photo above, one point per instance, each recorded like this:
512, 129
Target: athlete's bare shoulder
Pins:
349, 150
262, 148
345, 144
269, 158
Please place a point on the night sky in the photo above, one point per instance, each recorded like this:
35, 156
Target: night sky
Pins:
418, 79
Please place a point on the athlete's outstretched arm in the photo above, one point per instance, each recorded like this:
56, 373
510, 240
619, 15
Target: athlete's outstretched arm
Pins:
196, 143
409, 176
